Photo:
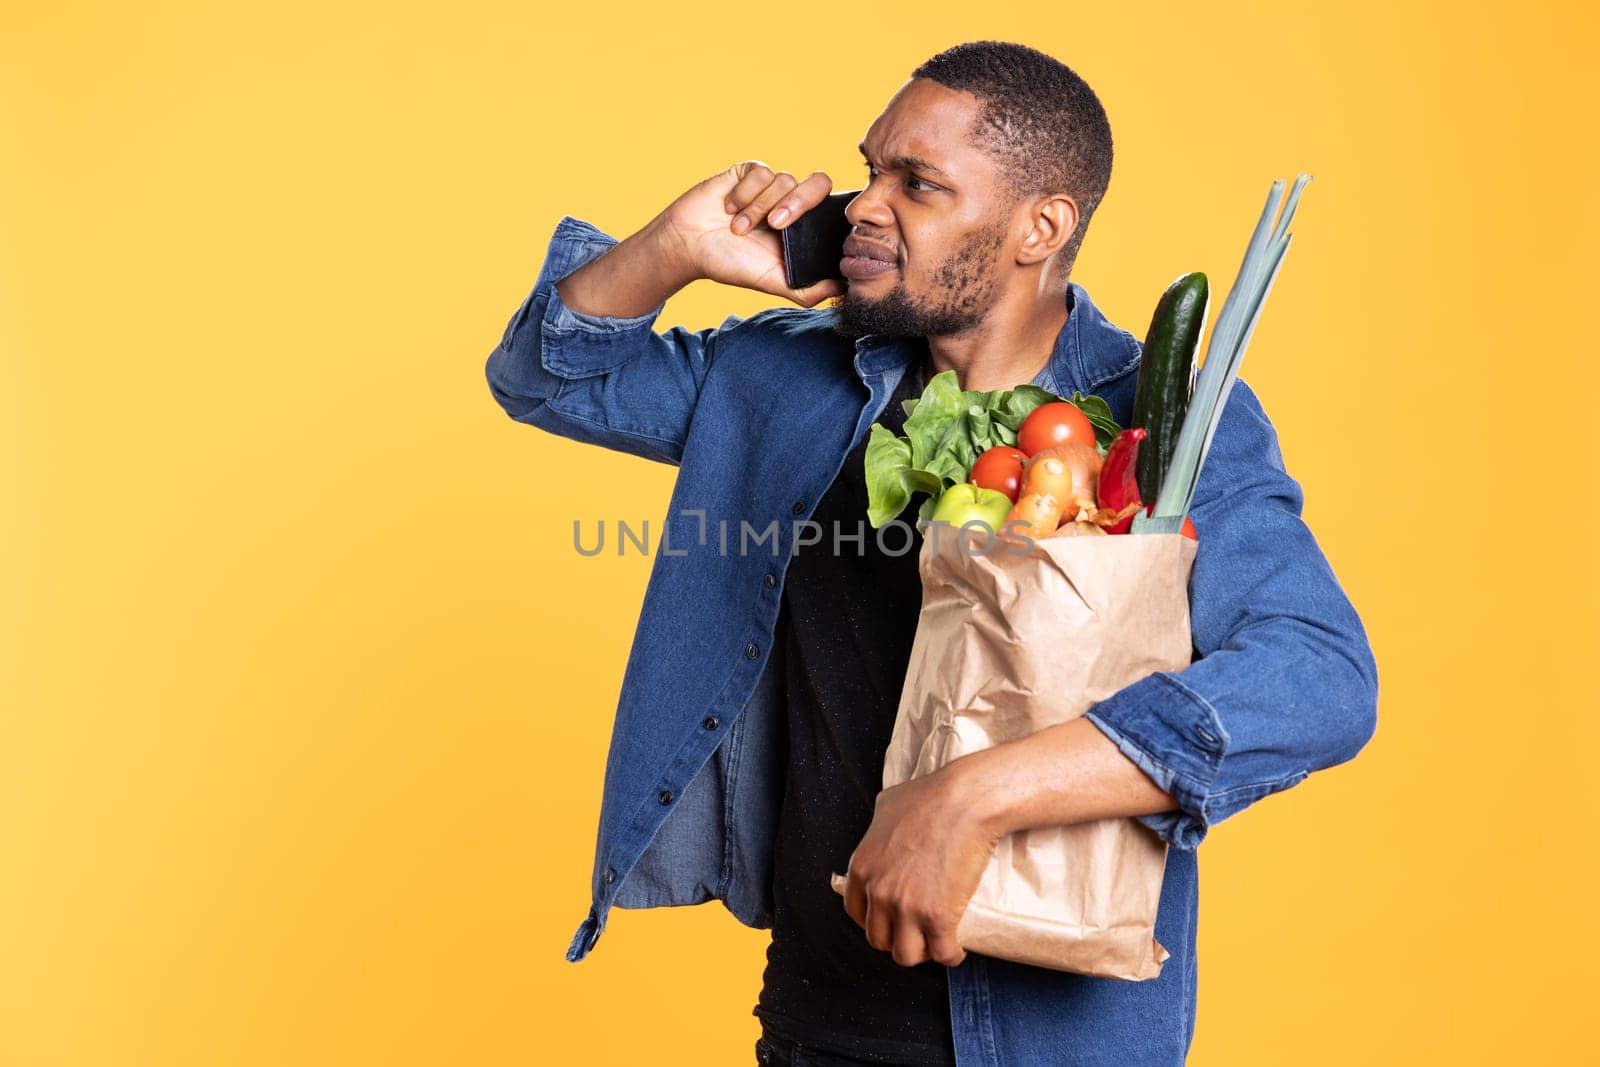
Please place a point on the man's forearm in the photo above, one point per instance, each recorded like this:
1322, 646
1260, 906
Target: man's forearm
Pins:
632, 278
1063, 774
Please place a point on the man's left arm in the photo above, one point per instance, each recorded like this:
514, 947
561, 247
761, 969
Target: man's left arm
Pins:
1286, 684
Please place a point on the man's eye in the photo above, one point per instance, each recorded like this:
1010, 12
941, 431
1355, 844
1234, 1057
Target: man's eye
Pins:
872, 173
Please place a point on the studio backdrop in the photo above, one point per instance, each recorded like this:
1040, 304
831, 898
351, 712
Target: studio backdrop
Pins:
307, 692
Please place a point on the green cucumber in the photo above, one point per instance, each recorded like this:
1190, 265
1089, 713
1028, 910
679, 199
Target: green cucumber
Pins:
1166, 374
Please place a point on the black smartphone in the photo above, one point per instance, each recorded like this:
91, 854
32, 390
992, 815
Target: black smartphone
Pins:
813, 244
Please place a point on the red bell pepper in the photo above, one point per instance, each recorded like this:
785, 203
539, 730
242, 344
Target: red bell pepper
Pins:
1119, 481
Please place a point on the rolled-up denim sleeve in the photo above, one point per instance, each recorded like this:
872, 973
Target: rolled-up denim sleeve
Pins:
1285, 682
612, 381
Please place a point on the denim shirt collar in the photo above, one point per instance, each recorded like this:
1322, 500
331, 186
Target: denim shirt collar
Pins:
1089, 350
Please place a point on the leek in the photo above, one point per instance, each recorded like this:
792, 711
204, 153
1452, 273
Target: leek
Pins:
1236, 323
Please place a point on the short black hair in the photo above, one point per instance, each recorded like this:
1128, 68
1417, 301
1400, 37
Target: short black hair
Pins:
1039, 120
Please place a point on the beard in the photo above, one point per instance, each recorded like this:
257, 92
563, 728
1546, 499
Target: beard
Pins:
955, 300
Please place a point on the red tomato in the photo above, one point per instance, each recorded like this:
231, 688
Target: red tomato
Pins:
1000, 468
1055, 423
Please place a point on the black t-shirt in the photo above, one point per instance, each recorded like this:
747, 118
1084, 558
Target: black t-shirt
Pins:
848, 615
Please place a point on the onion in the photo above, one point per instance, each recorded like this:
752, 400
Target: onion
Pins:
1069, 472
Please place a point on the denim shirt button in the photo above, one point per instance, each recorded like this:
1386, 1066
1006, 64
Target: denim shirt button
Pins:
770, 581
610, 875
709, 722
799, 507
665, 797
1207, 738
751, 651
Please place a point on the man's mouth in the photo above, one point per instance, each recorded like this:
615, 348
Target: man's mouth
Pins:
865, 259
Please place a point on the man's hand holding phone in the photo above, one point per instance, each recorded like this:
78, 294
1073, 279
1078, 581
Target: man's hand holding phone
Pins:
728, 229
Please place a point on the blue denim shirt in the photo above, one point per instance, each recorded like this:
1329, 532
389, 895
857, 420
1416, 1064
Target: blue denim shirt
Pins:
758, 415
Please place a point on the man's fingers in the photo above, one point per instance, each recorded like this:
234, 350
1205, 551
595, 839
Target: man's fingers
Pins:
754, 176
765, 200
801, 199
943, 947
909, 947
855, 900
812, 295
880, 924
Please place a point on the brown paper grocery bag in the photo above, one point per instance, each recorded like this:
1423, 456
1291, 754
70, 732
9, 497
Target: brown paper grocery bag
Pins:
1013, 638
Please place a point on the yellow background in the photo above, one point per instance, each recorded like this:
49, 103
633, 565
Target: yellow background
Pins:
307, 696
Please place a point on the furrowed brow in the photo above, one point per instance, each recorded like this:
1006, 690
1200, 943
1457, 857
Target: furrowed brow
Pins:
905, 162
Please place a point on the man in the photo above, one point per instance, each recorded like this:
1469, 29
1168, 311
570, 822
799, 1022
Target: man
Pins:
762, 686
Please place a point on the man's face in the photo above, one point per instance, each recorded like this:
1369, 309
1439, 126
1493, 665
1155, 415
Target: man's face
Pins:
934, 201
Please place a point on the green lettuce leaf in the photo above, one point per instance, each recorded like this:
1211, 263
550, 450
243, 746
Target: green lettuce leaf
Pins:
1099, 414
888, 460
931, 421
1017, 404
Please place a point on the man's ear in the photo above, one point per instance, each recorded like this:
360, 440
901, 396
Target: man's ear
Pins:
1055, 220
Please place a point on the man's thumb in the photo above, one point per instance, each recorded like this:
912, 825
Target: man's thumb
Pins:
814, 294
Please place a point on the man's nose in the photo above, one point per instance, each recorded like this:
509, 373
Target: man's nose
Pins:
868, 208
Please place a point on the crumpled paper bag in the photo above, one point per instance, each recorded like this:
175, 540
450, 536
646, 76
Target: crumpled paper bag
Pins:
1012, 640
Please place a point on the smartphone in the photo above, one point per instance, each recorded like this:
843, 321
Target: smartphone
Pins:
813, 244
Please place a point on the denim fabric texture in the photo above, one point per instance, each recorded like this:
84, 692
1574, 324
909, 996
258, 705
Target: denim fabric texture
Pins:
758, 414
